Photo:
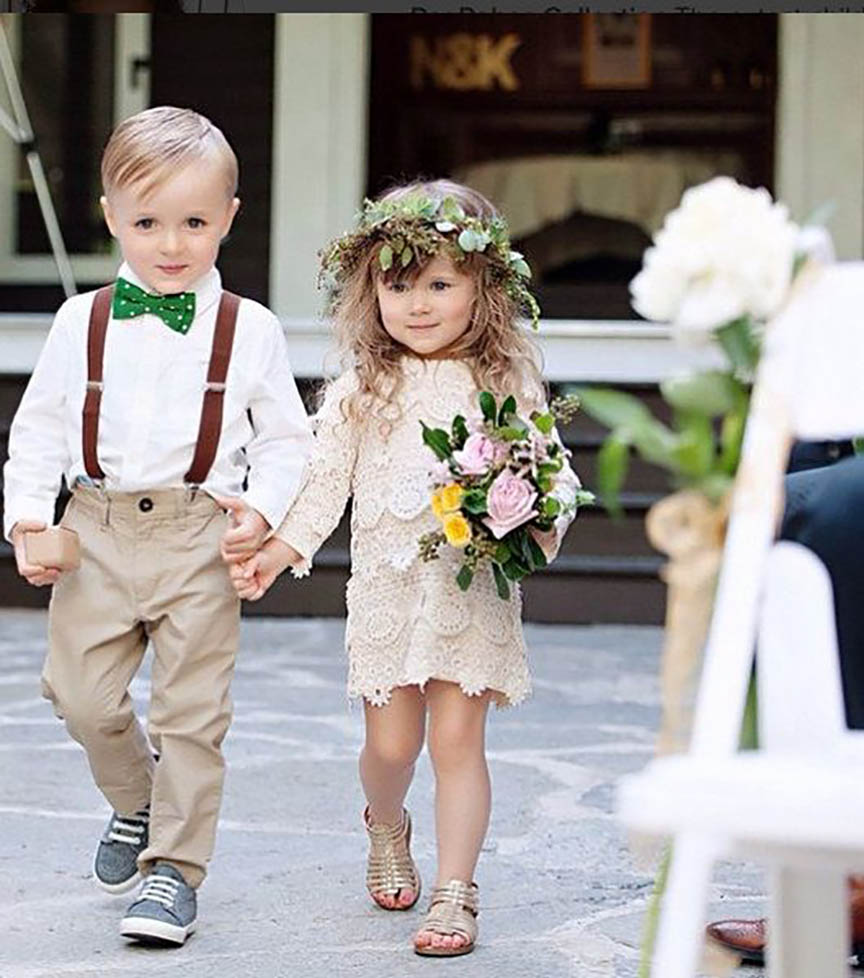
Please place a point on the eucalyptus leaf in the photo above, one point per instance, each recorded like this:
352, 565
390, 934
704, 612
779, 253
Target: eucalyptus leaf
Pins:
385, 258
451, 209
467, 240
465, 577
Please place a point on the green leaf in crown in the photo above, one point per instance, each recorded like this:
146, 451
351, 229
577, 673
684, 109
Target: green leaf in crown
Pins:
416, 227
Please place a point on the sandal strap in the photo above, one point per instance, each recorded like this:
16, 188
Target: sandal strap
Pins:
390, 867
453, 909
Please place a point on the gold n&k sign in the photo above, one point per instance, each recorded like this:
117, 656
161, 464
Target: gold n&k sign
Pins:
464, 61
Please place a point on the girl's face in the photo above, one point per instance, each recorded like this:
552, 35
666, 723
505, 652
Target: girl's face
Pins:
430, 314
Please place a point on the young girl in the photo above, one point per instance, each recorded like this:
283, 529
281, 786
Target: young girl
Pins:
427, 316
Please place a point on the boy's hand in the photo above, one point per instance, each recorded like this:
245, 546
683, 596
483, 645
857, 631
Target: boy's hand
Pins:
34, 574
252, 578
248, 532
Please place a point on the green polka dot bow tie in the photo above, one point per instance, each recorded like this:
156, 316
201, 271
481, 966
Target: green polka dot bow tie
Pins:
177, 311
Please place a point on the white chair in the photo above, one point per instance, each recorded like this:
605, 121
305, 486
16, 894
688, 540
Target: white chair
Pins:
797, 803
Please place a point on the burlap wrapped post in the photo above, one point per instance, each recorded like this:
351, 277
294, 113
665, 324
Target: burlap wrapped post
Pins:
690, 530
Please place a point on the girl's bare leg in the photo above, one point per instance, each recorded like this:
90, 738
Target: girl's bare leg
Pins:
394, 739
463, 798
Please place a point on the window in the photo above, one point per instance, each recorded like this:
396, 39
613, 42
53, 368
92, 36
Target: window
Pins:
78, 76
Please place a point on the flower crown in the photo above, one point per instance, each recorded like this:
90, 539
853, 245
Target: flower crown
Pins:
419, 225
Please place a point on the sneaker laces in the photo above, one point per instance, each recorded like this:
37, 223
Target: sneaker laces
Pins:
129, 828
160, 889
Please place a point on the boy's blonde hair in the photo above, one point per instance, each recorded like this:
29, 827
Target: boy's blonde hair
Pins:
501, 356
148, 146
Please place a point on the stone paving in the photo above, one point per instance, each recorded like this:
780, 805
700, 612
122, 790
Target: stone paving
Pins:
561, 894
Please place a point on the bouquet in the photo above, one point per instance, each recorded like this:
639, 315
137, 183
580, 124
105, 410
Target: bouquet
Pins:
495, 488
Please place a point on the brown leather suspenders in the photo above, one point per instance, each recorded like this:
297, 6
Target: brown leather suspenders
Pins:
210, 426
99, 313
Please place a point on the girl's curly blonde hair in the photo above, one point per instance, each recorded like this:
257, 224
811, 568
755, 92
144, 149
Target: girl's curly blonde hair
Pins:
501, 356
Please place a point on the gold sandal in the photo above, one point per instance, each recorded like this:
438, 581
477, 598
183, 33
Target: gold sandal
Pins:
452, 910
390, 868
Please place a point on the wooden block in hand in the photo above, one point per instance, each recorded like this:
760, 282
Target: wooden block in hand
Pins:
54, 547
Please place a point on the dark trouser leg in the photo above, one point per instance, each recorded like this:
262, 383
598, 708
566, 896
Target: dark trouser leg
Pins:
825, 512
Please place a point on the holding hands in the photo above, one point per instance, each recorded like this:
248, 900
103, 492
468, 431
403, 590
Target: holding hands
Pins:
252, 578
252, 564
248, 532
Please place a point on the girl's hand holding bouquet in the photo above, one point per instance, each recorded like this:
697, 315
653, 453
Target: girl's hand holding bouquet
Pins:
498, 490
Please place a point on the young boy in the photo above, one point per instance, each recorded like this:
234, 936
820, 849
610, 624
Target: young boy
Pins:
154, 398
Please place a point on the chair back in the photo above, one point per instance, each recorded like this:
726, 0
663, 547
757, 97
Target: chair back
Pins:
810, 384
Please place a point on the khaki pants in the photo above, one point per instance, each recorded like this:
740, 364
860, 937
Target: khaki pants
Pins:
150, 569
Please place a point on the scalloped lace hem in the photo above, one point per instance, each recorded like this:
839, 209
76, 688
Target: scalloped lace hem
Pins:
380, 696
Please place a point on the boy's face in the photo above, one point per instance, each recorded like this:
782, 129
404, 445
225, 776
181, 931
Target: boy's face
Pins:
431, 313
170, 236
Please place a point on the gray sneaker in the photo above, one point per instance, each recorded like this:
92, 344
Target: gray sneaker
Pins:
115, 868
165, 910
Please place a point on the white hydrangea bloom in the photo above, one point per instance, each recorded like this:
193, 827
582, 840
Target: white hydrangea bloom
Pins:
724, 252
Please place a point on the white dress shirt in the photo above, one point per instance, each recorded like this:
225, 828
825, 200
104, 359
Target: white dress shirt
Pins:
154, 382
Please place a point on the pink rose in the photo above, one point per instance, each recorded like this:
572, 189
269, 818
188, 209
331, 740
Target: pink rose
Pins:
476, 456
510, 503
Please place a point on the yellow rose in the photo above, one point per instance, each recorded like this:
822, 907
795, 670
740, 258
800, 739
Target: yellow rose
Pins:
447, 500
451, 497
437, 505
457, 530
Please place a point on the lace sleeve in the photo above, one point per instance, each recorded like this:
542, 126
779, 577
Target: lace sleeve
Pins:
327, 479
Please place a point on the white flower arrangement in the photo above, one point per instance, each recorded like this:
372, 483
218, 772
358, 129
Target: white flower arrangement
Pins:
726, 252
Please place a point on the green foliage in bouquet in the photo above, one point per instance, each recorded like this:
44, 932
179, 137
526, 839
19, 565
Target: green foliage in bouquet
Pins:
466, 506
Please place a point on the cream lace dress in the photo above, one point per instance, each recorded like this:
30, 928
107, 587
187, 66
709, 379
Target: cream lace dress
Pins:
408, 621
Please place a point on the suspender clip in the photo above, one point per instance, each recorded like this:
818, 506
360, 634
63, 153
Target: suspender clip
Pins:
216, 386
95, 385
